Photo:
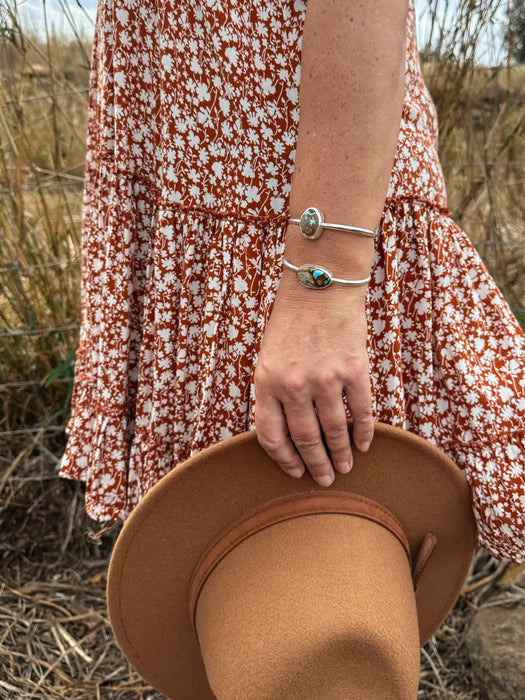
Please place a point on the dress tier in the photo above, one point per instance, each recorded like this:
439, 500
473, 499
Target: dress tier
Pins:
192, 131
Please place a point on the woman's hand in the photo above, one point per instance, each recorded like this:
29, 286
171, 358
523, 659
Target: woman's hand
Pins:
314, 354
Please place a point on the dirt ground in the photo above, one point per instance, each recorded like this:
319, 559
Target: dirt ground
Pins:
55, 637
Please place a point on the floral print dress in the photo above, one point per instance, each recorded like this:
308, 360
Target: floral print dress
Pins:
192, 131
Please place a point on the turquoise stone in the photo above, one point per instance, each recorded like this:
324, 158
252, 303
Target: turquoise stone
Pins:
310, 223
320, 277
314, 277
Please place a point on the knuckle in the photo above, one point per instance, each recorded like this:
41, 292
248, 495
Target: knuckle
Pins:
356, 369
294, 387
306, 442
272, 445
363, 416
335, 434
326, 381
262, 377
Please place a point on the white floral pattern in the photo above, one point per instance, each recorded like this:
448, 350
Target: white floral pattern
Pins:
193, 123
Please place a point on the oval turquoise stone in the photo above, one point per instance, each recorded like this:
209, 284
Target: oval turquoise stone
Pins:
310, 223
314, 277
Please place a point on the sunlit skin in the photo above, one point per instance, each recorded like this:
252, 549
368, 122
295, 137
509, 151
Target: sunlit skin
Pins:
314, 347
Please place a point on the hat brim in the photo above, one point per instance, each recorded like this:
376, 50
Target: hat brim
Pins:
173, 526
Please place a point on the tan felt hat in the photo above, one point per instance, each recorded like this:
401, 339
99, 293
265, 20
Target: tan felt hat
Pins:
232, 580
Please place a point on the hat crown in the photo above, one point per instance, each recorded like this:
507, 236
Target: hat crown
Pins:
316, 606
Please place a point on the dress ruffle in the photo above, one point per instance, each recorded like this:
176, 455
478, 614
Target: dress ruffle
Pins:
172, 325
446, 357
494, 467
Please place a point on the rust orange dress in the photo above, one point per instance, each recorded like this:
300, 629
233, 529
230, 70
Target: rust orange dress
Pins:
192, 130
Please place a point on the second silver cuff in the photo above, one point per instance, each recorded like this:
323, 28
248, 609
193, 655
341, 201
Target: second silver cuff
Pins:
318, 277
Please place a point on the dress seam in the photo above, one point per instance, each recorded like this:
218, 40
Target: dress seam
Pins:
417, 199
161, 202
107, 158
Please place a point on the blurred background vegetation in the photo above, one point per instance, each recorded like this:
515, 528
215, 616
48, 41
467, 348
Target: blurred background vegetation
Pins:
43, 104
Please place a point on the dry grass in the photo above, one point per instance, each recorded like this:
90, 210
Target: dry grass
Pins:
43, 101
55, 639
482, 137
482, 147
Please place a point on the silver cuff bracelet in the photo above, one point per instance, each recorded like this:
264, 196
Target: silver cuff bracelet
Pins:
317, 277
312, 223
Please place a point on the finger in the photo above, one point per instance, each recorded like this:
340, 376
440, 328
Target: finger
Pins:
331, 413
359, 400
272, 433
305, 432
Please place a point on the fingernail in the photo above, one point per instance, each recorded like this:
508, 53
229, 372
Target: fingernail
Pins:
364, 447
296, 473
325, 480
343, 467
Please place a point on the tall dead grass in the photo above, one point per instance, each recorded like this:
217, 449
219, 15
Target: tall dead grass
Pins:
43, 101
482, 134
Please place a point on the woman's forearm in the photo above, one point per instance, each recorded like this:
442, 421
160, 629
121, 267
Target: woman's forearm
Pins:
314, 350
351, 95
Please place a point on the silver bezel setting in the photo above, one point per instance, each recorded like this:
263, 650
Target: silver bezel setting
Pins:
318, 277
305, 225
